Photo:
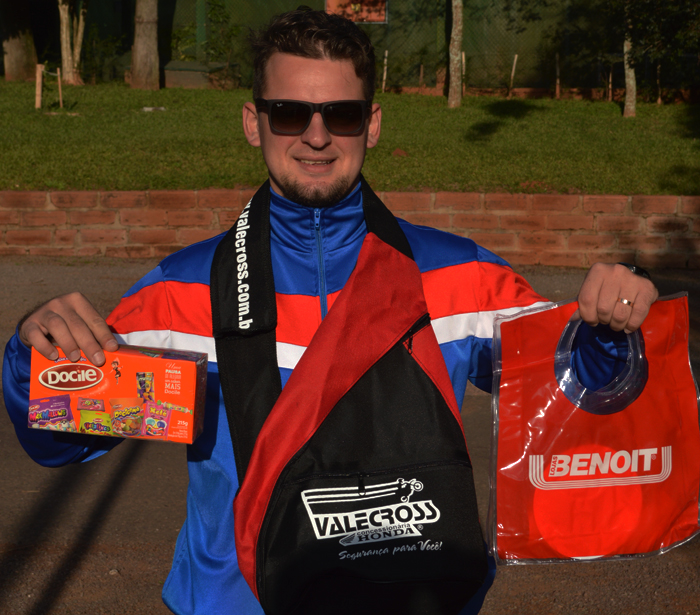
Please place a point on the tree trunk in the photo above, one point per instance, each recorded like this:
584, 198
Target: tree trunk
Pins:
19, 53
72, 30
144, 57
66, 49
78, 32
454, 94
630, 83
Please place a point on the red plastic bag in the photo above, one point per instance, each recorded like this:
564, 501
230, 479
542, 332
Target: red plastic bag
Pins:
578, 474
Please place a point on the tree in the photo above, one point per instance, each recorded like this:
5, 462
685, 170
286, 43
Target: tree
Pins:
19, 53
664, 30
454, 95
652, 29
630, 109
72, 14
144, 58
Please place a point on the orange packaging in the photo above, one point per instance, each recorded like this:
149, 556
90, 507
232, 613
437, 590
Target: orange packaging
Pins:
146, 393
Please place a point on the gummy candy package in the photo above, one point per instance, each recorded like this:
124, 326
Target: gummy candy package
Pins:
127, 416
144, 381
581, 474
86, 403
96, 422
51, 413
156, 420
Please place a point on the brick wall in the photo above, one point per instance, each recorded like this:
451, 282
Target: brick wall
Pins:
547, 229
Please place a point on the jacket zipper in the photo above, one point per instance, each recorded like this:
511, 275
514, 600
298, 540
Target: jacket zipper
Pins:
420, 324
361, 477
321, 270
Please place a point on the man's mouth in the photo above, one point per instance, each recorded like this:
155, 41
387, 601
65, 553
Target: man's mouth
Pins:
314, 162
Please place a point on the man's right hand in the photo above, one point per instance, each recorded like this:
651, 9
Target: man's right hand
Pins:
71, 322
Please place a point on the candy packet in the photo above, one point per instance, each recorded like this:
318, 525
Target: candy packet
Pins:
156, 420
127, 416
144, 385
96, 422
51, 413
86, 403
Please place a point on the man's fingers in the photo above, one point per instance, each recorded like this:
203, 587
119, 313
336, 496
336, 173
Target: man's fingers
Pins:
608, 306
99, 331
64, 330
588, 295
71, 322
613, 295
641, 308
33, 336
84, 338
623, 310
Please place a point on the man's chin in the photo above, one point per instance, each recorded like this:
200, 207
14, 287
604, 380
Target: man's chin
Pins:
315, 195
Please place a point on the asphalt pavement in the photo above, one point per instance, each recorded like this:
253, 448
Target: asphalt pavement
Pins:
98, 538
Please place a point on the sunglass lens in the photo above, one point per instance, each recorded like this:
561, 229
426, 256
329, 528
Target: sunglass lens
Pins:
289, 117
344, 118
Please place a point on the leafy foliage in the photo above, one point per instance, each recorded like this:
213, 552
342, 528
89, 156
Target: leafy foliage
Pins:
594, 30
100, 56
184, 42
664, 28
223, 37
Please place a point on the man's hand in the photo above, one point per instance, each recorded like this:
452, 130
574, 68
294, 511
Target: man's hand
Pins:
613, 295
71, 322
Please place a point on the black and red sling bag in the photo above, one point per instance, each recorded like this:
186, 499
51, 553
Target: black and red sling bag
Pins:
356, 489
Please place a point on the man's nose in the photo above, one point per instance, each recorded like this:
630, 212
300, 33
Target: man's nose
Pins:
316, 135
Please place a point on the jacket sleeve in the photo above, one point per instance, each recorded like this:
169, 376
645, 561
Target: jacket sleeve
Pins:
501, 292
598, 355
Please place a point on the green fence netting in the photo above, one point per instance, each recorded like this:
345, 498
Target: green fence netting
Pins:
415, 36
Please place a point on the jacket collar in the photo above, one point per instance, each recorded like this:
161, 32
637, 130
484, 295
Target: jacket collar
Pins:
294, 225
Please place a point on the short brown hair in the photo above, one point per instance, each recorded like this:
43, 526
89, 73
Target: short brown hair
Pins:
313, 34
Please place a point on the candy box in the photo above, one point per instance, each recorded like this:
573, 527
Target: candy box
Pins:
146, 393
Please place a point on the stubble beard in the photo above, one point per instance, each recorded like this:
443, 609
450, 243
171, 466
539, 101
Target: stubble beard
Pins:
315, 196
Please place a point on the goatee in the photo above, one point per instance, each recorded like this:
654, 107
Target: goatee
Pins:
314, 196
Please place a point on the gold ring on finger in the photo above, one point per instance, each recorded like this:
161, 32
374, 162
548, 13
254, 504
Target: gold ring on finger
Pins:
625, 301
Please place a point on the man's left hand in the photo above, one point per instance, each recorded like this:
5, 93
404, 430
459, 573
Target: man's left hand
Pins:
613, 295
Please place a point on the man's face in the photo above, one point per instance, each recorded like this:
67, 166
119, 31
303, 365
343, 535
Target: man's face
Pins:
316, 167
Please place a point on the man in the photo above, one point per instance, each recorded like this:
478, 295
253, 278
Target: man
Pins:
314, 154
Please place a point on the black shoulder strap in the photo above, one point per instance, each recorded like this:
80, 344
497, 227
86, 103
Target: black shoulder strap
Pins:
382, 222
244, 314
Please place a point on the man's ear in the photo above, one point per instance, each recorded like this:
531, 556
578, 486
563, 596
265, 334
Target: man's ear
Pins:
375, 125
250, 124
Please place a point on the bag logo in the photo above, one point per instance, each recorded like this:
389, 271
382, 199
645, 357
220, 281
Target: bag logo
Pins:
370, 514
611, 469
71, 377
242, 228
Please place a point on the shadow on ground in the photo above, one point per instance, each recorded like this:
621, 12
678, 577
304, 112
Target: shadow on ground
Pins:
502, 111
685, 178
41, 522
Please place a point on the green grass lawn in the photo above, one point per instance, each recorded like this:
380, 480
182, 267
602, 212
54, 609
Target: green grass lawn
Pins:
489, 144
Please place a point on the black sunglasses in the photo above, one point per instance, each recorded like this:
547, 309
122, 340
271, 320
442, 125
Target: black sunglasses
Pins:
292, 117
